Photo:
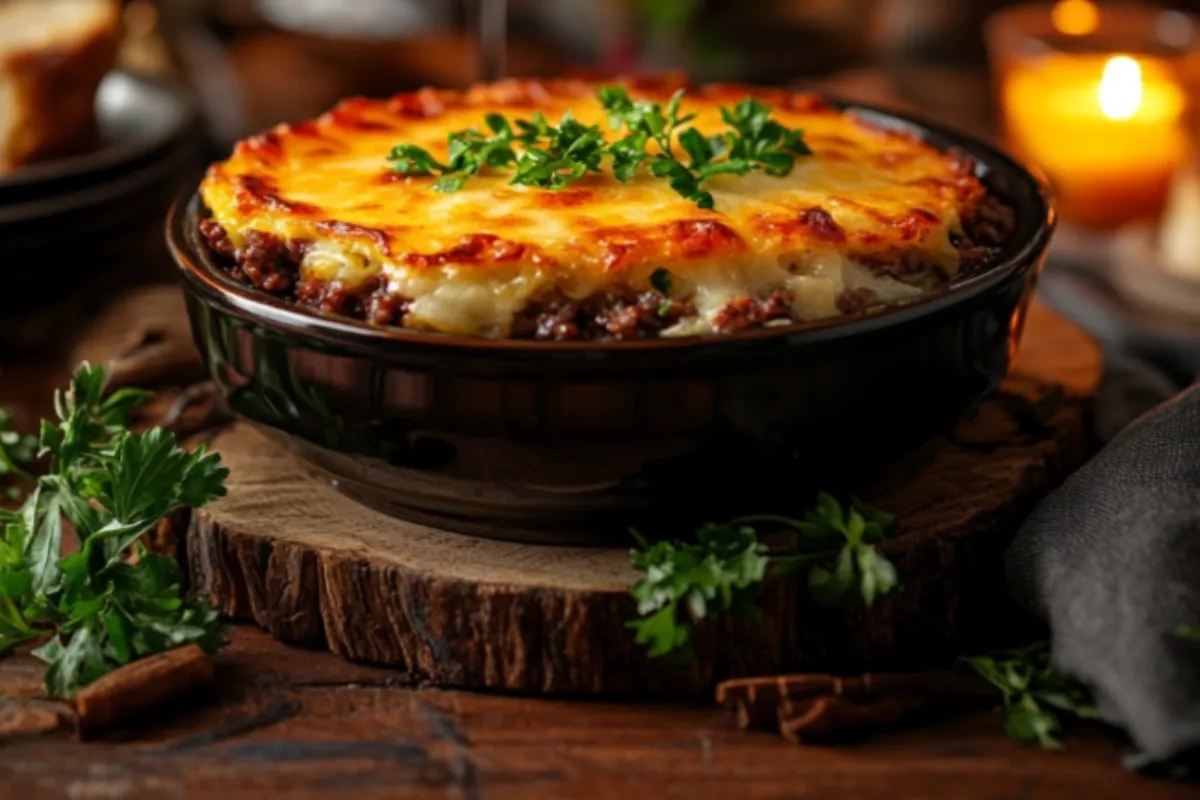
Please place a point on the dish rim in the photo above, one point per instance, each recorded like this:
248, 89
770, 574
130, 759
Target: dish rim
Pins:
198, 269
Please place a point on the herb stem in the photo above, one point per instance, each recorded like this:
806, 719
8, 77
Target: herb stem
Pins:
722, 571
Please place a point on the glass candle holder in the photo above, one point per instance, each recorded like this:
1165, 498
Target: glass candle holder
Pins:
1100, 99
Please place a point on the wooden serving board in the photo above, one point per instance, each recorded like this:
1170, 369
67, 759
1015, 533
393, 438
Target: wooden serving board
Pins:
288, 552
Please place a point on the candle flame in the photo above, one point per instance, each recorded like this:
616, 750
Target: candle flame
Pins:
1120, 90
1075, 17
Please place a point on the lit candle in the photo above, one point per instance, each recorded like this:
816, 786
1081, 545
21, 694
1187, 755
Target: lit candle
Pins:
1108, 129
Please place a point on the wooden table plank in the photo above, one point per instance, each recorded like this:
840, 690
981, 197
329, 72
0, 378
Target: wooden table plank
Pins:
295, 723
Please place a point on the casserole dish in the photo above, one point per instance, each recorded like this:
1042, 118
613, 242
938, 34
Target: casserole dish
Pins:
570, 441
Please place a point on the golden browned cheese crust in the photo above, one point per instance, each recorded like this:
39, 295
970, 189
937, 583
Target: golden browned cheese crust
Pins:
473, 261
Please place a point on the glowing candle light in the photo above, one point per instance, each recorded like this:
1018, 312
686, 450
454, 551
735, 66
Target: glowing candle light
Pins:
1108, 129
1120, 88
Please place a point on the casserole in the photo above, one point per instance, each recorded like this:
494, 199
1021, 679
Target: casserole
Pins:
568, 441
547, 210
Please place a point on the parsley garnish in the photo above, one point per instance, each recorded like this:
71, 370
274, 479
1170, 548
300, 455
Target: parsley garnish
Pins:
111, 601
848, 538
17, 451
755, 142
1035, 694
660, 279
552, 157
723, 570
469, 150
1189, 632
648, 122
556, 156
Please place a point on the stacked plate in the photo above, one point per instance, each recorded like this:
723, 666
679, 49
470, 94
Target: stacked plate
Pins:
71, 224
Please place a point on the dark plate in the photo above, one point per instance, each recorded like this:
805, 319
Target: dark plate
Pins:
72, 218
47, 245
570, 442
141, 120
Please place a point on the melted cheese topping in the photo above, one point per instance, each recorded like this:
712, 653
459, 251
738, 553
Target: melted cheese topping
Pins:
471, 260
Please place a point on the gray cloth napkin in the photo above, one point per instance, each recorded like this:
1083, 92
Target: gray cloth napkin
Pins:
1111, 560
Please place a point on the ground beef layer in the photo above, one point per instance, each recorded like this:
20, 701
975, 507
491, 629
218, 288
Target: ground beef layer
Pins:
272, 265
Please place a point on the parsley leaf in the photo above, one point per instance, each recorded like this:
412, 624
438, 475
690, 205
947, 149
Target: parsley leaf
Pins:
761, 141
860, 571
469, 152
1189, 632
571, 150
685, 182
660, 279
552, 156
627, 155
1036, 696
408, 159
649, 122
101, 607
755, 142
17, 451
722, 571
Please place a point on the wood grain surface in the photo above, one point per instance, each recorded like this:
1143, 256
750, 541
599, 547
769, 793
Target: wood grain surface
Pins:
288, 723
288, 552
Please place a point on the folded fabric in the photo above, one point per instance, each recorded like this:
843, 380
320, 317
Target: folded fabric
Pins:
1111, 560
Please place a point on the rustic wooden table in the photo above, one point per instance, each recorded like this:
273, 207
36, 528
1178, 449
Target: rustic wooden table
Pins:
295, 723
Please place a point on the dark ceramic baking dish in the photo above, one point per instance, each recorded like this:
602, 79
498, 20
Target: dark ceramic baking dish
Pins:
572, 441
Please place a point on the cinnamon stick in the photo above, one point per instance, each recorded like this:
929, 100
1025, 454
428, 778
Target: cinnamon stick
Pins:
829, 717
140, 685
758, 700
822, 707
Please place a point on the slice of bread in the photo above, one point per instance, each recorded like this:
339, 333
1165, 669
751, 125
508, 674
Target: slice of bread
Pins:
53, 55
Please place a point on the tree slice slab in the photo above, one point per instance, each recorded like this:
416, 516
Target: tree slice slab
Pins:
287, 551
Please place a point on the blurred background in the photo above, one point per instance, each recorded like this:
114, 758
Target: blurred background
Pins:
256, 62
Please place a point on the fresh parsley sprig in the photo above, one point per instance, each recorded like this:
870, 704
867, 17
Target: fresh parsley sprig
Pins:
554, 156
1036, 695
760, 141
683, 583
848, 539
649, 122
755, 141
469, 152
111, 601
722, 571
